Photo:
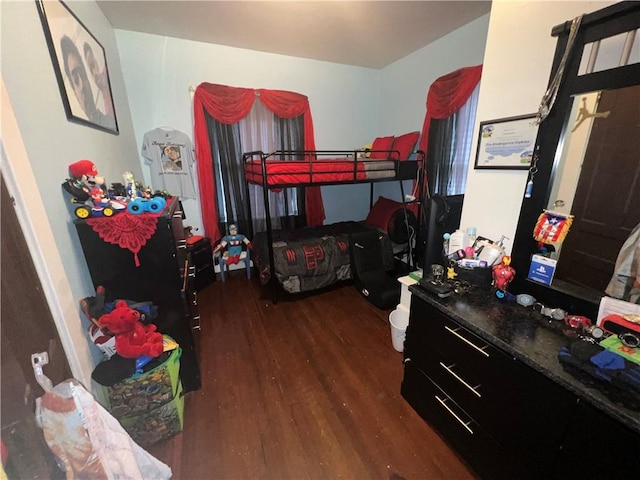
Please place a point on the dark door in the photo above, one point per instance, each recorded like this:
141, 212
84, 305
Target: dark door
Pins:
27, 327
607, 204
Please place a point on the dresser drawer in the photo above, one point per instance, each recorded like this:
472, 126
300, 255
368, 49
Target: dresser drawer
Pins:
201, 257
457, 427
464, 380
519, 407
430, 333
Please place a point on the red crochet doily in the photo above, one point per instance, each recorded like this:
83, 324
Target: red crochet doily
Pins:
126, 230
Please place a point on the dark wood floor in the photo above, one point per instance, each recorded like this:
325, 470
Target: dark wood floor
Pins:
305, 389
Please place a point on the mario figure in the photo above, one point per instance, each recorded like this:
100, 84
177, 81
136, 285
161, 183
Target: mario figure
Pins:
98, 198
84, 175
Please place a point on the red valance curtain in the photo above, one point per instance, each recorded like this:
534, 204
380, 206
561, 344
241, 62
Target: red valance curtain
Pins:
229, 105
447, 95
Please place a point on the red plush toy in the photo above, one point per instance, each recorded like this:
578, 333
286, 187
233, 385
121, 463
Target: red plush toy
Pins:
133, 339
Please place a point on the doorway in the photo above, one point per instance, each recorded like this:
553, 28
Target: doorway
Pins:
27, 327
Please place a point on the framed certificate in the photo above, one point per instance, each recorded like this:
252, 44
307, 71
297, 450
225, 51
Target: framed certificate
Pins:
506, 143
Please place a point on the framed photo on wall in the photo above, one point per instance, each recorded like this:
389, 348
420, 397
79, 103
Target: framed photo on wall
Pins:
80, 66
506, 143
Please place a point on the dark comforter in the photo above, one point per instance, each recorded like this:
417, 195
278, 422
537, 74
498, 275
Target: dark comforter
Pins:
312, 257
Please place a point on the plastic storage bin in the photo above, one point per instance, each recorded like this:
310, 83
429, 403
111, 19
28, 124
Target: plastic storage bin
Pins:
150, 406
144, 392
157, 424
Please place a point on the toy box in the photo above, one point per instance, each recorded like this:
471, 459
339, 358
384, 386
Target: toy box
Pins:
147, 391
157, 424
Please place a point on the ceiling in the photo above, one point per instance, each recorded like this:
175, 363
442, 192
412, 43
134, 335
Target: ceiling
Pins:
362, 33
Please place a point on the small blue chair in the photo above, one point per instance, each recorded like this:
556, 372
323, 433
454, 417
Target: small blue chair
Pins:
245, 257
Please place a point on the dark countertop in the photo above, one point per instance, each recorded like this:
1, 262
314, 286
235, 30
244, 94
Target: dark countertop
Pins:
526, 335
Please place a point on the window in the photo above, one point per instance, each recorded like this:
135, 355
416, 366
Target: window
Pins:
450, 148
261, 130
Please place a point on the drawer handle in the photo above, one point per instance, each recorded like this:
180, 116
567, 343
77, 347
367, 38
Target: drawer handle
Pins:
465, 425
479, 349
457, 377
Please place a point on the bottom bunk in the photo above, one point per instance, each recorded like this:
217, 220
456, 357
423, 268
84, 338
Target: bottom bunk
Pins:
310, 258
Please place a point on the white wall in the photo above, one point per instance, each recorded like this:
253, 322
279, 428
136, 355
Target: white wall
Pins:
516, 70
405, 83
37, 161
158, 72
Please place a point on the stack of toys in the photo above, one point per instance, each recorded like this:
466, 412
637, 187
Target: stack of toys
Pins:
89, 191
140, 371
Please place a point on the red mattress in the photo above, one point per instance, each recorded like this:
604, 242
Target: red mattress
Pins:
292, 172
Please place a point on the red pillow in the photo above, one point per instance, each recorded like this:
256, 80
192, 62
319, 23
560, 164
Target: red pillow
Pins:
384, 145
381, 213
404, 145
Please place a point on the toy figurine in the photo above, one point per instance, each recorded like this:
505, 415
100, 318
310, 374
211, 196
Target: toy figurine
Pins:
503, 274
234, 254
84, 175
98, 197
90, 192
451, 273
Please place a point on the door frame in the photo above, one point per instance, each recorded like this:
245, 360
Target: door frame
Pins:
30, 209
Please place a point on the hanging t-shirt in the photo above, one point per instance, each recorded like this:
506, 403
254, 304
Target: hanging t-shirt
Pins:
170, 157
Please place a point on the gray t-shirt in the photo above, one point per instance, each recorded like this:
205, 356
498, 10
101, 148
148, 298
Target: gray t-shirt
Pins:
170, 157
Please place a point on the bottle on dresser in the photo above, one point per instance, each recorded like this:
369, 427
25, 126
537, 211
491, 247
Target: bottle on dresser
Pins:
458, 241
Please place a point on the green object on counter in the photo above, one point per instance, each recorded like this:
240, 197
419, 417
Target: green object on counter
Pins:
417, 275
613, 344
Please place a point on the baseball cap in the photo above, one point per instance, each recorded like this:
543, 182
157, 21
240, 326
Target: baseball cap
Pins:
83, 167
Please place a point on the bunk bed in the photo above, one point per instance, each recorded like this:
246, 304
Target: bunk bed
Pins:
309, 258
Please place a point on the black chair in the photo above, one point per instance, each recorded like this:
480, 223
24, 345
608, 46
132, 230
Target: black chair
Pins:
368, 271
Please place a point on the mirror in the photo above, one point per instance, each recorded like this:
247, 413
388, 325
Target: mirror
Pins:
588, 160
596, 181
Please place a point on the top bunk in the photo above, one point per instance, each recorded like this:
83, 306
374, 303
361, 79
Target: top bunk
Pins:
282, 169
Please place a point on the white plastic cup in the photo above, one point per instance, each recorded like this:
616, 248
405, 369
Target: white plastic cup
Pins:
399, 321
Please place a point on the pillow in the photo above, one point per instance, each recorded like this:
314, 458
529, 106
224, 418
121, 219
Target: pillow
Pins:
404, 144
383, 144
382, 212
365, 151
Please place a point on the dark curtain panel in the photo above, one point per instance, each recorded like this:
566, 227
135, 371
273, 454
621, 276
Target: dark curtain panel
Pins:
442, 134
290, 138
226, 152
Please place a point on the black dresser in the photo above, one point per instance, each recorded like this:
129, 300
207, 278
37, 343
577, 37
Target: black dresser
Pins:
486, 375
201, 263
162, 277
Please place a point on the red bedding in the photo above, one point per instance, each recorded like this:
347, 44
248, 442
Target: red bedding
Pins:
319, 171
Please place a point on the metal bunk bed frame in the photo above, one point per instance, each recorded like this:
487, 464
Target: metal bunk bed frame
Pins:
404, 170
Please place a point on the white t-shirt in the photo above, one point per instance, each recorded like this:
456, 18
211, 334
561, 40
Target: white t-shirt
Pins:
170, 157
